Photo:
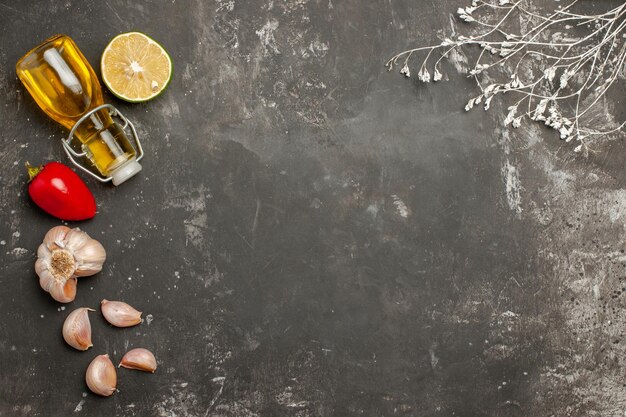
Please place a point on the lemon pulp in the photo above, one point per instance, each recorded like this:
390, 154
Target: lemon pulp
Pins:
135, 67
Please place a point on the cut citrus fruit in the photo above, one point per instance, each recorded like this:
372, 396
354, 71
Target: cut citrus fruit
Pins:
135, 67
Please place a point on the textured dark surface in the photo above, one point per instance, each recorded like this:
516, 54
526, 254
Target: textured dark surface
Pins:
312, 236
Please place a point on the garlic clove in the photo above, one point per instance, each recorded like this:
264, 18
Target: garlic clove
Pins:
43, 252
77, 329
55, 237
119, 313
76, 238
101, 376
140, 359
63, 292
88, 253
46, 279
90, 259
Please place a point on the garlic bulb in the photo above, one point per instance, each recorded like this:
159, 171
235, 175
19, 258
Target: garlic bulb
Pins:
101, 376
64, 255
119, 313
77, 329
140, 359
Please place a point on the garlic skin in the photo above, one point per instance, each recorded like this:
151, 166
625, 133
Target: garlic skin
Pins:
140, 359
64, 255
77, 329
119, 313
101, 376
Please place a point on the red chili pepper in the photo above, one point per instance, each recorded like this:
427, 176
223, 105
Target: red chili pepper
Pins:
60, 192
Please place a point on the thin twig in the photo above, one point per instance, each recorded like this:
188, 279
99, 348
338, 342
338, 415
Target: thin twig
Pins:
557, 78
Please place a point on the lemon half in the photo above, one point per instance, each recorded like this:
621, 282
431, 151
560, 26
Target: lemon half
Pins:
135, 67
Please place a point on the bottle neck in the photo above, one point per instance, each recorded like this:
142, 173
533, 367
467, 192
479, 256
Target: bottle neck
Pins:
104, 142
97, 121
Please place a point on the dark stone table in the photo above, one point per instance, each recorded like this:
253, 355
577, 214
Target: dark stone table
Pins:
312, 236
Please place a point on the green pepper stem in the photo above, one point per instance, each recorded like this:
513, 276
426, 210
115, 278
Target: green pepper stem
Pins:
33, 171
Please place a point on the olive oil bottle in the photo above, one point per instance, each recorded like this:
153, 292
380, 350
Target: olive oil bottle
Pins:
64, 85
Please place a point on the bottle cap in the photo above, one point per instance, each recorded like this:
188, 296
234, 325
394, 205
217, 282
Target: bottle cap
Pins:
125, 172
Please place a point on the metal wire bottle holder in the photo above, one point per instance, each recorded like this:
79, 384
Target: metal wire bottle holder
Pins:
71, 153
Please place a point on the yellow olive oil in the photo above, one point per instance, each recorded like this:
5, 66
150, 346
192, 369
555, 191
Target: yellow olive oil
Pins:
64, 85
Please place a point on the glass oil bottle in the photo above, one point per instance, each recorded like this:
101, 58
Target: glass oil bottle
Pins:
64, 85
